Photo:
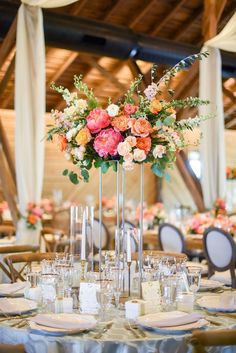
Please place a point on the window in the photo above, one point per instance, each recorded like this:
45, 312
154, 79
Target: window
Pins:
195, 162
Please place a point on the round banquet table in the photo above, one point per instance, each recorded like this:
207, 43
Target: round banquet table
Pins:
116, 340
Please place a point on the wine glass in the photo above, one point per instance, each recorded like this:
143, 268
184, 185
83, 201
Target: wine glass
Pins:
103, 298
117, 277
194, 278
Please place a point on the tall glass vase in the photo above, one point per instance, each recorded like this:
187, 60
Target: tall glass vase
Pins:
120, 250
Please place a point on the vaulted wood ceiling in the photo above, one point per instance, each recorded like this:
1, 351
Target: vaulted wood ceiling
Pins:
175, 20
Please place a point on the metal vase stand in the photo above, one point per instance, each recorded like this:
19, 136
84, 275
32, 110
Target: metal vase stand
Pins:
120, 225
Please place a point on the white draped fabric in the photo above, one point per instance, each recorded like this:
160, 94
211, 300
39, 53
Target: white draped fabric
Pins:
30, 107
212, 145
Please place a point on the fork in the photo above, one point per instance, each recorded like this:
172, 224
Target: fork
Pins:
129, 328
136, 327
104, 330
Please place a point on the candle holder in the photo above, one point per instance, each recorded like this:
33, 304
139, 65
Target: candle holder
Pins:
129, 279
82, 273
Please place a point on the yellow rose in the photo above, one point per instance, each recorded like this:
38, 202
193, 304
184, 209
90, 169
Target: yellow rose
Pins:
155, 106
83, 136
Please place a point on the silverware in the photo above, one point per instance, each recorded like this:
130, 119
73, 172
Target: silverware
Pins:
140, 331
104, 330
129, 328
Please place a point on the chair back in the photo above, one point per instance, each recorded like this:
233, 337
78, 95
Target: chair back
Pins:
26, 259
61, 219
12, 348
134, 242
211, 338
170, 238
53, 239
105, 235
220, 251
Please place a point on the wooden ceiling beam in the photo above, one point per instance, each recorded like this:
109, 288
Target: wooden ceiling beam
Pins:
183, 29
8, 43
167, 17
147, 7
229, 94
213, 10
232, 122
7, 76
63, 68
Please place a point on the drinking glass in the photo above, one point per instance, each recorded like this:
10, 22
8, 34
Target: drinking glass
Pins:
103, 298
169, 286
194, 278
117, 274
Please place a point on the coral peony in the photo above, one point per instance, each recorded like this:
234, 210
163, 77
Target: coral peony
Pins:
144, 143
120, 123
130, 109
62, 142
97, 119
140, 127
83, 136
106, 142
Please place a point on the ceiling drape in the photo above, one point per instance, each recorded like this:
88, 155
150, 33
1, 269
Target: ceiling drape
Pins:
212, 146
30, 107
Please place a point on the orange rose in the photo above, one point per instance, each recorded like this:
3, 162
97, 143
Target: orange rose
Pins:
62, 142
155, 106
171, 110
144, 143
32, 219
120, 123
83, 136
140, 127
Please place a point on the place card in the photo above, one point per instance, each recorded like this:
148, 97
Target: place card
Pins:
151, 293
88, 298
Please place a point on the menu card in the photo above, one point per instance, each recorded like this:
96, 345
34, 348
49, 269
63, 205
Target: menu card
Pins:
151, 293
88, 298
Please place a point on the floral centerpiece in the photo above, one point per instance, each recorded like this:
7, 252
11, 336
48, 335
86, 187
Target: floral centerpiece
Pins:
33, 215
219, 207
152, 215
140, 129
231, 173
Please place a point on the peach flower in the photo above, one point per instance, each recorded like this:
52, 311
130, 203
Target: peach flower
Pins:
128, 157
155, 106
131, 140
83, 136
120, 123
130, 109
140, 127
106, 142
62, 142
144, 143
123, 148
97, 119
139, 155
158, 151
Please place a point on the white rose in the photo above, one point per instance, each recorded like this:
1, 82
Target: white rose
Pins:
128, 157
158, 151
139, 155
71, 133
123, 148
131, 140
113, 110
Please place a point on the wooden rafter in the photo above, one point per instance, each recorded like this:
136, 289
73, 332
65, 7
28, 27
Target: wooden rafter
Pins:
144, 10
167, 18
213, 10
63, 68
7, 152
7, 76
183, 29
8, 43
229, 94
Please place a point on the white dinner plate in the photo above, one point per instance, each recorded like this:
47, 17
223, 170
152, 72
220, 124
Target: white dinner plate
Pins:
61, 324
13, 289
15, 306
147, 323
213, 303
208, 284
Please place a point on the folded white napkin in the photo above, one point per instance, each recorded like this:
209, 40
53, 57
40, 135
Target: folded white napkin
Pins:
65, 321
154, 320
228, 300
12, 288
16, 305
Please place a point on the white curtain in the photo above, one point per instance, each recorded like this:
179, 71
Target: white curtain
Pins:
212, 145
30, 107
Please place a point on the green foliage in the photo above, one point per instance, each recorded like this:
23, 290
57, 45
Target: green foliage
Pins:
133, 87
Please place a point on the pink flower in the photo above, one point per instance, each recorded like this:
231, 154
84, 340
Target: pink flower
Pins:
128, 157
97, 119
106, 142
158, 151
123, 148
37, 211
139, 155
130, 109
131, 140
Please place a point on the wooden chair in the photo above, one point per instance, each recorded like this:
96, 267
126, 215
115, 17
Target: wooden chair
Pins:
53, 239
7, 230
12, 249
220, 252
159, 253
25, 260
201, 339
12, 348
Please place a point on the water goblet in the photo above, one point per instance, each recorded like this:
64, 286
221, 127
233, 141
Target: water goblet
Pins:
194, 278
103, 298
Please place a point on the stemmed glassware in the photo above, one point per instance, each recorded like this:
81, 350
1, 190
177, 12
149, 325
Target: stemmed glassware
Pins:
194, 278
